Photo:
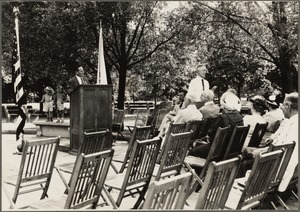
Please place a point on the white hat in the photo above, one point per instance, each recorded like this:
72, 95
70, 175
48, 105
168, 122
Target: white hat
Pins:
231, 102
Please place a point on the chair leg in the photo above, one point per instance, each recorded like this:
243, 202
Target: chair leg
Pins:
114, 167
110, 198
294, 194
281, 202
274, 206
141, 198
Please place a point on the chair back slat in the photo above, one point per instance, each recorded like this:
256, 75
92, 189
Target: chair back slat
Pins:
257, 135
174, 153
88, 179
173, 128
236, 141
288, 150
93, 142
260, 178
37, 163
207, 125
194, 126
170, 193
142, 162
216, 149
139, 133
217, 184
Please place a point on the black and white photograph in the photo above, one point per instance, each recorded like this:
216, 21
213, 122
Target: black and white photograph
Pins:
149, 105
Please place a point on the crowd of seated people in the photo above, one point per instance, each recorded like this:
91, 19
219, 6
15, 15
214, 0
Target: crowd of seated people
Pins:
262, 111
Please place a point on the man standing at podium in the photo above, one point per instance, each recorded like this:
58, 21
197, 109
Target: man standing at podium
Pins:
77, 80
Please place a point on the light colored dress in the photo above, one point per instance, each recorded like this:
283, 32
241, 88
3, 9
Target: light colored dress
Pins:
252, 120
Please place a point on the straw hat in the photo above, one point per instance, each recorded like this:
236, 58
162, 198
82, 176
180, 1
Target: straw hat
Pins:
231, 102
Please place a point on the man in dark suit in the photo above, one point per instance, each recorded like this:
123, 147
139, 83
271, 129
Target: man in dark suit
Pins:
77, 80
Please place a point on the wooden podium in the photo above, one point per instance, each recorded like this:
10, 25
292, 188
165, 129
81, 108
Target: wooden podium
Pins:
90, 110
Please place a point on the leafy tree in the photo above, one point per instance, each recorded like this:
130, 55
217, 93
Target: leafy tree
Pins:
252, 32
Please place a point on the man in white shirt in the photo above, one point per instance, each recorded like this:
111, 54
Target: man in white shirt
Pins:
199, 84
286, 133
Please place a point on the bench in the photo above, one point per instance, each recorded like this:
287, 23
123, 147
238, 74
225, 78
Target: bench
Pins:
51, 129
30, 112
10, 111
132, 106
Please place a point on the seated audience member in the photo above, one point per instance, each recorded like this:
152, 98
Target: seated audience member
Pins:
273, 115
189, 113
164, 104
230, 116
258, 108
228, 92
286, 133
178, 105
209, 108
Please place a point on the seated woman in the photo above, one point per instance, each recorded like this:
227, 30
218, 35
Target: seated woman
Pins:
179, 104
258, 107
273, 115
230, 116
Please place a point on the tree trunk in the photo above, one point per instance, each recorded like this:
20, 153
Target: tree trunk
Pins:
121, 92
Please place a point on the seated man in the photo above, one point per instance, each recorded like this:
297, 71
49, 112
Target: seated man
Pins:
189, 113
286, 133
209, 108
170, 116
230, 116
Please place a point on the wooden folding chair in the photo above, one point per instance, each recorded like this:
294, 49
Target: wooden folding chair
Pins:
215, 154
87, 182
277, 177
206, 125
236, 142
170, 193
173, 156
218, 182
36, 168
248, 195
193, 126
293, 184
141, 119
257, 135
117, 123
92, 142
173, 128
138, 173
139, 133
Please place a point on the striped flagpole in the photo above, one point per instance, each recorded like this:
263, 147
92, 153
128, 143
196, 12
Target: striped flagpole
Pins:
20, 98
101, 73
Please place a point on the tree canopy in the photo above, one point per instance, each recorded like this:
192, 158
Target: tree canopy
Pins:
150, 51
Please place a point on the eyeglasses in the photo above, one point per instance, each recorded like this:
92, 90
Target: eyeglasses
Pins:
282, 105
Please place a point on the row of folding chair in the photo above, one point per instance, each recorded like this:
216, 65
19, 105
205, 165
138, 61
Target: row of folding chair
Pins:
137, 177
221, 189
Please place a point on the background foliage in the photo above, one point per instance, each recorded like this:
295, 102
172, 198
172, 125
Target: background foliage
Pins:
150, 50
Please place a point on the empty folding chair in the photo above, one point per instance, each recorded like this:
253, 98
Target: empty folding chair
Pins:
138, 173
170, 193
36, 168
218, 183
87, 182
